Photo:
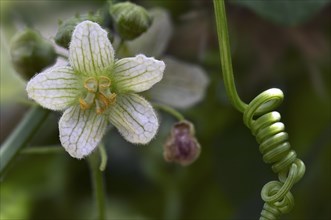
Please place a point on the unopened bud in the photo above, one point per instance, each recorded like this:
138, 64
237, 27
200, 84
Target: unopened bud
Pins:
30, 53
130, 20
182, 147
66, 28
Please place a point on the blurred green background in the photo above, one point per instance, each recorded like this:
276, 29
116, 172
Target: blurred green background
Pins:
283, 44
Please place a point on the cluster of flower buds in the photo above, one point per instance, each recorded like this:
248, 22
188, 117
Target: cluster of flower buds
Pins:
30, 53
182, 147
129, 20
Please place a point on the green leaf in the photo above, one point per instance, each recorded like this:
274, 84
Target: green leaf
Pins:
284, 12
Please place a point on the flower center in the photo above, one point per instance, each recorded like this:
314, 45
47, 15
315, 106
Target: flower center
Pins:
98, 93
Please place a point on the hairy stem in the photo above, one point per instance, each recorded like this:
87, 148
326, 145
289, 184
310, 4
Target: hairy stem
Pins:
20, 137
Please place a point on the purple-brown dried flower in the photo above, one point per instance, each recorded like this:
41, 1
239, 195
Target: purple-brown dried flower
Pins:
182, 147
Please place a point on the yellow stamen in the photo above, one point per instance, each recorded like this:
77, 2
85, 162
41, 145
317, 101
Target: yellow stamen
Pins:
98, 108
98, 92
104, 82
91, 84
83, 104
104, 100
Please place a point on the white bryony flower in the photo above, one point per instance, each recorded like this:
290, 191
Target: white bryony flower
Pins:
183, 84
96, 89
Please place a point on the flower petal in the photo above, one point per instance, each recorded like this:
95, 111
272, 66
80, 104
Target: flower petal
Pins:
55, 89
81, 131
90, 51
137, 74
155, 40
135, 118
182, 86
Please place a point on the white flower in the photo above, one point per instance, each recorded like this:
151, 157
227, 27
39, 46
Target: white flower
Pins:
96, 89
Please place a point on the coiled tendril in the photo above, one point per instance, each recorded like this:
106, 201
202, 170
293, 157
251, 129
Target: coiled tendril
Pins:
269, 132
266, 127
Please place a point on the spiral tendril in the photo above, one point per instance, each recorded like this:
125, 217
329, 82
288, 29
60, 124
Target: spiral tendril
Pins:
273, 140
264, 122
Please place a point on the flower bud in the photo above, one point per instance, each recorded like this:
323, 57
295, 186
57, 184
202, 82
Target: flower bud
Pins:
182, 147
66, 28
130, 20
30, 53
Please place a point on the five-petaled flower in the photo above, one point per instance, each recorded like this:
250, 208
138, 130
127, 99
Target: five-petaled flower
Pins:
96, 89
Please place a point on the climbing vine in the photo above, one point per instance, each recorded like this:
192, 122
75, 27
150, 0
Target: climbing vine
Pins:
259, 116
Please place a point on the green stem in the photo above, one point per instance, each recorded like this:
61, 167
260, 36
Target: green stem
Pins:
169, 110
21, 135
225, 54
103, 157
43, 150
97, 184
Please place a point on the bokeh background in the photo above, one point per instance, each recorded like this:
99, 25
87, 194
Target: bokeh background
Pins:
283, 44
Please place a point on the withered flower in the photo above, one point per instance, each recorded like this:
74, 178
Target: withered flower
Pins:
182, 146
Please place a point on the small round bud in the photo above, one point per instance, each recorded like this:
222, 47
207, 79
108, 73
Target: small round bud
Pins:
30, 53
66, 28
130, 20
182, 147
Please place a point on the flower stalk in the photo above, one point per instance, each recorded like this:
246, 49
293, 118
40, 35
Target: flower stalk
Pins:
98, 184
21, 135
170, 111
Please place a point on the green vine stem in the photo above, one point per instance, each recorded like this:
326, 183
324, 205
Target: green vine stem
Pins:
98, 184
224, 46
43, 150
20, 137
57, 149
170, 111
266, 127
